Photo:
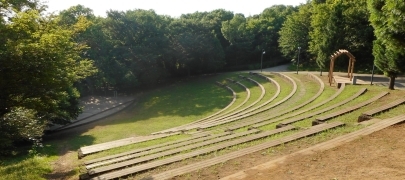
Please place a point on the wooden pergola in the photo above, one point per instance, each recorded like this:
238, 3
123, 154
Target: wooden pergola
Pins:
332, 64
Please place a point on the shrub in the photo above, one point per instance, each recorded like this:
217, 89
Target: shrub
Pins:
20, 124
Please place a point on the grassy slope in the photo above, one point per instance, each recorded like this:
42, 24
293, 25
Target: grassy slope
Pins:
157, 110
175, 105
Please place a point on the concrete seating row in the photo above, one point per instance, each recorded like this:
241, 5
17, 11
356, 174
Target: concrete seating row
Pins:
129, 167
369, 114
292, 92
324, 118
223, 158
290, 112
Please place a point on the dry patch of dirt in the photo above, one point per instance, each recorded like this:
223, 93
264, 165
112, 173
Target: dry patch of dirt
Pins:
64, 167
380, 155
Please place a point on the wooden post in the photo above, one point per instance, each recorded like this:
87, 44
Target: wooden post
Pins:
331, 71
352, 66
349, 68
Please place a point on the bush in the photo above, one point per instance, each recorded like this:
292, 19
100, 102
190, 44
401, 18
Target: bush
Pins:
20, 124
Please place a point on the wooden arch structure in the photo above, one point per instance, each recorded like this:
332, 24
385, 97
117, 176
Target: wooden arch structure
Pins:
332, 64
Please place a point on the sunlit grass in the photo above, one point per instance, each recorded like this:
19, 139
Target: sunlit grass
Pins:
306, 89
255, 93
165, 108
285, 86
30, 168
241, 95
269, 87
34, 165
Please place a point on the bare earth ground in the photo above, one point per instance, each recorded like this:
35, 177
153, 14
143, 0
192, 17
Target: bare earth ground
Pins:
64, 167
380, 155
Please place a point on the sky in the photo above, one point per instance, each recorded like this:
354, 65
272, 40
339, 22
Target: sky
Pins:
172, 8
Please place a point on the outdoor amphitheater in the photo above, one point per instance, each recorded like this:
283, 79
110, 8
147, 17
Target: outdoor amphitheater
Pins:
266, 113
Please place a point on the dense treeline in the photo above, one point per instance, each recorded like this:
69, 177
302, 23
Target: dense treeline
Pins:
141, 48
48, 60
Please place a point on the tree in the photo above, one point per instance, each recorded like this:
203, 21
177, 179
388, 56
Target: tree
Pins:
99, 47
275, 16
389, 47
213, 21
326, 37
248, 37
341, 24
72, 15
139, 47
196, 49
39, 64
295, 33
239, 38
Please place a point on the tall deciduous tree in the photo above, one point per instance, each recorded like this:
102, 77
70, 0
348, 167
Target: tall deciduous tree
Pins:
295, 33
213, 21
139, 47
39, 64
326, 37
387, 18
196, 48
249, 36
240, 39
99, 47
275, 16
341, 24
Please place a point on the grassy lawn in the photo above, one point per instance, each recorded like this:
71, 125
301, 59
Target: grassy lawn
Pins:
32, 165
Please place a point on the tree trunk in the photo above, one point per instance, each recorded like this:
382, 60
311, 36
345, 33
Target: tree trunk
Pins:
392, 82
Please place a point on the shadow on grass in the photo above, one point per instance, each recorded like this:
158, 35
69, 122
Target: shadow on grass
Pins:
157, 110
179, 103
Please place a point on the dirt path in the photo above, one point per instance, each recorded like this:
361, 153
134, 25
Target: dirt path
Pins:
64, 167
380, 155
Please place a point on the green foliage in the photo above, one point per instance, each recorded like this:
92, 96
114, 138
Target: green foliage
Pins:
235, 30
389, 47
17, 125
248, 37
40, 64
269, 38
240, 39
139, 46
72, 15
196, 49
295, 33
212, 21
341, 24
